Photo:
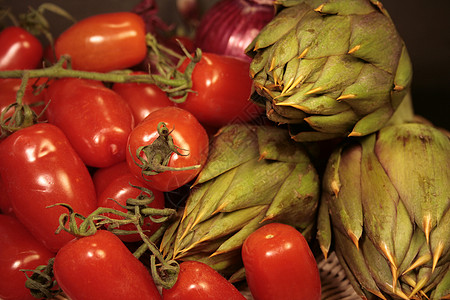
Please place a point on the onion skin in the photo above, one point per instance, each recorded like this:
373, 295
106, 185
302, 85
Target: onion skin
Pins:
229, 26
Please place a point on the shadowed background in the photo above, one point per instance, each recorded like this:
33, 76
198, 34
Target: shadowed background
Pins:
424, 26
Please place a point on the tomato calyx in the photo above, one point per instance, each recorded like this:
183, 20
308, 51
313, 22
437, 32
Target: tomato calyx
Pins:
137, 210
41, 283
156, 156
23, 115
163, 58
164, 272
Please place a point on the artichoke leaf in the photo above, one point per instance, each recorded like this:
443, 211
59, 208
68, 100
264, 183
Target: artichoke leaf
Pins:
355, 261
256, 183
379, 199
373, 121
323, 105
371, 42
276, 144
346, 7
382, 271
346, 66
442, 290
333, 38
278, 27
297, 199
440, 242
370, 91
340, 122
236, 240
403, 74
423, 189
218, 226
284, 50
232, 146
211, 193
324, 232
343, 176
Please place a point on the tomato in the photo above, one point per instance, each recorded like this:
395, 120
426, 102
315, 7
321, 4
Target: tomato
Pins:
103, 176
280, 265
19, 49
39, 168
96, 120
8, 94
5, 202
198, 281
142, 98
120, 189
18, 250
188, 135
101, 267
104, 42
222, 88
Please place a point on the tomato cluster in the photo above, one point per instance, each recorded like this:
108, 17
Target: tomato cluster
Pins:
98, 144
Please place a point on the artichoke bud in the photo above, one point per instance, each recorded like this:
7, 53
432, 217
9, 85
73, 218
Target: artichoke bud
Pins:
330, 68
388, 198
254, 175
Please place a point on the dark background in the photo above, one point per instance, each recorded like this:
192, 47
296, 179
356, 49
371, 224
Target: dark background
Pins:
424, 26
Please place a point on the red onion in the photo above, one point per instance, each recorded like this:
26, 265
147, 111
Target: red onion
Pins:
229, 26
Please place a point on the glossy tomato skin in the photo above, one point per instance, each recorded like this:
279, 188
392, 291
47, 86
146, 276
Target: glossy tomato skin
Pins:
198, 281
187, 133
101, 267
19, 49
5, 202
120, 189
96, 120
142, 98
18, 250
104, 42
103, 176
39, 168
280, 265
222, 86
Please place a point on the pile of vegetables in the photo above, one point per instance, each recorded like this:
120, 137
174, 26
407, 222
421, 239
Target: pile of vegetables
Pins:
138, 160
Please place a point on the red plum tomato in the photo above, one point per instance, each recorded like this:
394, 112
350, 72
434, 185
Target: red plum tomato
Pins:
39, 168
198, 281
189, 137
18, 250
19, 49
95, 119
104, 42
142, 98
103, 176
280, 265
101, 267
222, 88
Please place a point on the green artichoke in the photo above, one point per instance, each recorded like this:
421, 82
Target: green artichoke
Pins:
254, 175
388, 195
334, 68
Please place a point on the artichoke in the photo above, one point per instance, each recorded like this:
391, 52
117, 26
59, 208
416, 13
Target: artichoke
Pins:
254, 175
388, 195
330, 68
